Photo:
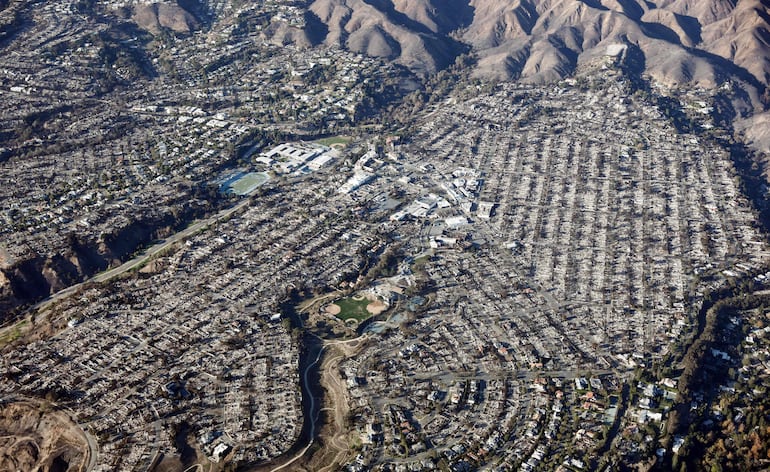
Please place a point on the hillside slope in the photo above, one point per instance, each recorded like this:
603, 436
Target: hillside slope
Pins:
700, 43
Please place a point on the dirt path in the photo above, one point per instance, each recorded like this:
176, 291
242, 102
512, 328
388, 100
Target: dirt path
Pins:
336, 438
333, 440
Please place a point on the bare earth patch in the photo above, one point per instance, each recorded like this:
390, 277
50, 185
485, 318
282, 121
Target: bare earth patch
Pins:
333, 309
35, 436
376, 307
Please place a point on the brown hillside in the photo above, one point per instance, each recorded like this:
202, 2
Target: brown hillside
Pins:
695, 42
156, 16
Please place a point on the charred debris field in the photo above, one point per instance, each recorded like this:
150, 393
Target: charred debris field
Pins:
383, 236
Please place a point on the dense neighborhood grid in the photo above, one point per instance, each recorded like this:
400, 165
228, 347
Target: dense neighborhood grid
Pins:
531, 246
584, 220
402, 235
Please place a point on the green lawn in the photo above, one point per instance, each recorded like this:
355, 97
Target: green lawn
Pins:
13, 333
334, 140
353, 309
418, 263
248, 182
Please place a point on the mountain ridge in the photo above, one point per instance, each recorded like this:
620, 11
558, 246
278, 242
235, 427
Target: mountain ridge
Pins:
704, 44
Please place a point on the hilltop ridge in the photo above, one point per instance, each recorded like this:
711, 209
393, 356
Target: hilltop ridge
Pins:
716, 44
683, 41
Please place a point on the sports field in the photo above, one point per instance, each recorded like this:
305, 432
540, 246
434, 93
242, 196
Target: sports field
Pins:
247, 183
356, 307
353, 308
335, 140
